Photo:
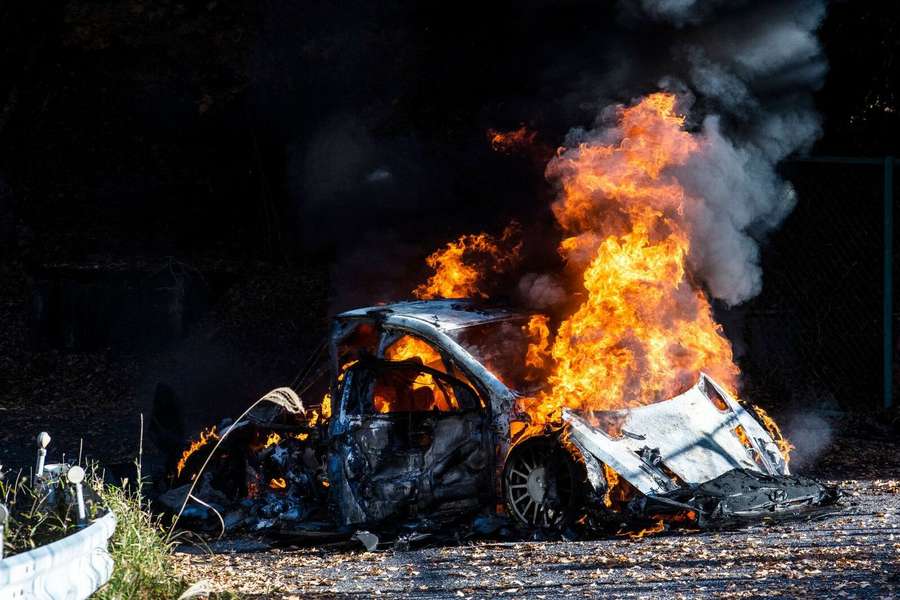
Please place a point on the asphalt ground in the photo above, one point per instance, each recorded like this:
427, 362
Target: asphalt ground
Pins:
854, 553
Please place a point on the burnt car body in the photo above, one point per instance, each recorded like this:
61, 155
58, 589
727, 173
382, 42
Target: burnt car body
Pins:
700, 452
432, 436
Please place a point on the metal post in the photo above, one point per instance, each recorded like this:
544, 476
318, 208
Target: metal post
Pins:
4, 515
43, 440
75, 475
888, 314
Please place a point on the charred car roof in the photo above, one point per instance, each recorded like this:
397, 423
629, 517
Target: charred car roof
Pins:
444, 315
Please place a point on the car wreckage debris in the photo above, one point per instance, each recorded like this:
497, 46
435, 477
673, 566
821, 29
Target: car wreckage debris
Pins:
412, 439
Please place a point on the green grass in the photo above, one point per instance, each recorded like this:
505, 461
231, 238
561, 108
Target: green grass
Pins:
33, 521
140, 548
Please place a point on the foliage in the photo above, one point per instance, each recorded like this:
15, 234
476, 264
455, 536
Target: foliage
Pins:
140, 547
37, 516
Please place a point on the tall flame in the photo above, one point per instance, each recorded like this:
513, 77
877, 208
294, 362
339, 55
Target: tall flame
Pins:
538, 331
645, 329
460, 266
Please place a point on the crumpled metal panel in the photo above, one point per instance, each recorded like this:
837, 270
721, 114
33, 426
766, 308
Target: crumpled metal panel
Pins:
694, 439
618, 456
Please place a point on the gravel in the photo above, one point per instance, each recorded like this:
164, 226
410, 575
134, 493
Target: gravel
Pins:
853, 554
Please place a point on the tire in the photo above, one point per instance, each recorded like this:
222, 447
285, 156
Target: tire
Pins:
542, 485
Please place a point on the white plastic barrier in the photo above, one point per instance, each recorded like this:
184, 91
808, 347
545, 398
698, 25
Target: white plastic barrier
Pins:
72, 568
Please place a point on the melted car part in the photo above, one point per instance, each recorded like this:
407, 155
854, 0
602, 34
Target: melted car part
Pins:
741, 496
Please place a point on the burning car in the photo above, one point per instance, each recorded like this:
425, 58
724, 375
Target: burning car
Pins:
418, 420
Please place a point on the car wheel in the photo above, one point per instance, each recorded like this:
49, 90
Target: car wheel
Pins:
540, 484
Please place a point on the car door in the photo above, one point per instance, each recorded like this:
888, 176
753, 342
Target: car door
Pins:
409, 441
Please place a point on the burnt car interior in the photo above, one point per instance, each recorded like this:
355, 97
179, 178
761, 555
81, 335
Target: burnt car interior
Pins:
411, 439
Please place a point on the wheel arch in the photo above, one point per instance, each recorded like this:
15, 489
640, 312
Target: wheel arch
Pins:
553, 446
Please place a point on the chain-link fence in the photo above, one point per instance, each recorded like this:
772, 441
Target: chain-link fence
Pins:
817, 335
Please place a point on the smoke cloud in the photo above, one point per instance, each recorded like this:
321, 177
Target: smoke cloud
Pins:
744, 74
399, 145
749, 71
758, 73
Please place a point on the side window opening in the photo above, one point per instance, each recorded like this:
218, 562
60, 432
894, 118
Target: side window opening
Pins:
410, 390
354, 341
410, 347
407, 386
404, 346
361, 341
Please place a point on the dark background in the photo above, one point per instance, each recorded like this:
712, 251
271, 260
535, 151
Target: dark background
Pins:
189, 189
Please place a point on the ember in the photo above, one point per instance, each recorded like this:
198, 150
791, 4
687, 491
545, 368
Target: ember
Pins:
507, 141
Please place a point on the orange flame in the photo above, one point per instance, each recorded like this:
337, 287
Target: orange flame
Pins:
460, 266
741, 435
273, 440
205, 436
775, 431
509, 141
655, 528
538, 330
278, 483
410, 347
325, 407
618, 490
645, 329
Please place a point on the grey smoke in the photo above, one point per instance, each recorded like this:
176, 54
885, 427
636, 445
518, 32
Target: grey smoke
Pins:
750, 70
541, 291
811, 434
379, 175
677, 12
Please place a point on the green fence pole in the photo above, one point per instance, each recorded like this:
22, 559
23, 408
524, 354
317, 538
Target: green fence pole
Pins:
888, 282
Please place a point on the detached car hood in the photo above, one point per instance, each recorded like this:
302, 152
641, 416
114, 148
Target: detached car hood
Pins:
700, 450
688, 435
